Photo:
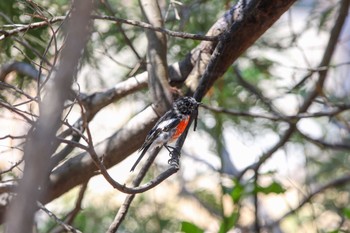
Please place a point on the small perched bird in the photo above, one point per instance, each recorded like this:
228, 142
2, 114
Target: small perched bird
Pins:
170, 126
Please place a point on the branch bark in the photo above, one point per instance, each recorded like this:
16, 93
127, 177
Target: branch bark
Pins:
157, 58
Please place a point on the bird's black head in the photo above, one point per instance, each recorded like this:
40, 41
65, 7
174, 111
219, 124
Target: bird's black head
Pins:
185, 105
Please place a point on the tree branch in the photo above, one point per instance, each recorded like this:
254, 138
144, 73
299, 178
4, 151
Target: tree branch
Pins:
184, 35
323, 144
157, 58
64, 225
289, 118
19, 67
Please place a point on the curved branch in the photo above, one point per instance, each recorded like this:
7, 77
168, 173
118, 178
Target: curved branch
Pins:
19, 67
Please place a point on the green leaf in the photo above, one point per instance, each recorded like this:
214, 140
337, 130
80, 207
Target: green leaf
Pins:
325, 16
346, 212
274, 187
228, 222
237, 192
188, 227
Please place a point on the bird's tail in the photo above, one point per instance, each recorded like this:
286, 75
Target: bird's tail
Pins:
144, 150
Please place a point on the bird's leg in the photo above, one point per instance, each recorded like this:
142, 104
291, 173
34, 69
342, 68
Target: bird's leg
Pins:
174, 161
173, 149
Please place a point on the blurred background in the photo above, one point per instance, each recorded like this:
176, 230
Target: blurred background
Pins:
302, 186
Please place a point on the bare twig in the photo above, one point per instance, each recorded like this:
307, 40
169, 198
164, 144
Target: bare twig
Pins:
341, 181
13, 137
121, 30
323, 144
184, 35
65, 226
12, 166
27, 27
72, 214
257, 227
291, 118
254, 90
19, 112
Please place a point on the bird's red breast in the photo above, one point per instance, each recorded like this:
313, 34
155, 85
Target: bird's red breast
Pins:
180, 128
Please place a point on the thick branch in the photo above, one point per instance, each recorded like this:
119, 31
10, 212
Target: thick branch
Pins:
157, 57
247, 28
19, 67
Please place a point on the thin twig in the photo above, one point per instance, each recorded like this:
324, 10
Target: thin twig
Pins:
18, 112
67, 227
257, 227
27, 27
121, 30
12, 166
323, 144
277, 118
73, 213
13, 137
183, 35
341, 181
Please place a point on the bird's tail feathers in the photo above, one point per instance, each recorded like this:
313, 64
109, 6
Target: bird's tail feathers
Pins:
144, 150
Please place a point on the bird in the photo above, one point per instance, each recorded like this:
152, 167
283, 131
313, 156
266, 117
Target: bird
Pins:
169, 127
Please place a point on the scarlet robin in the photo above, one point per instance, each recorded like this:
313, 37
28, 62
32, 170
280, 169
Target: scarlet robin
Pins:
170, 126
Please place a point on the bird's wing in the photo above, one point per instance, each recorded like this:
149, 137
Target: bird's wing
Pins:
164, 124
